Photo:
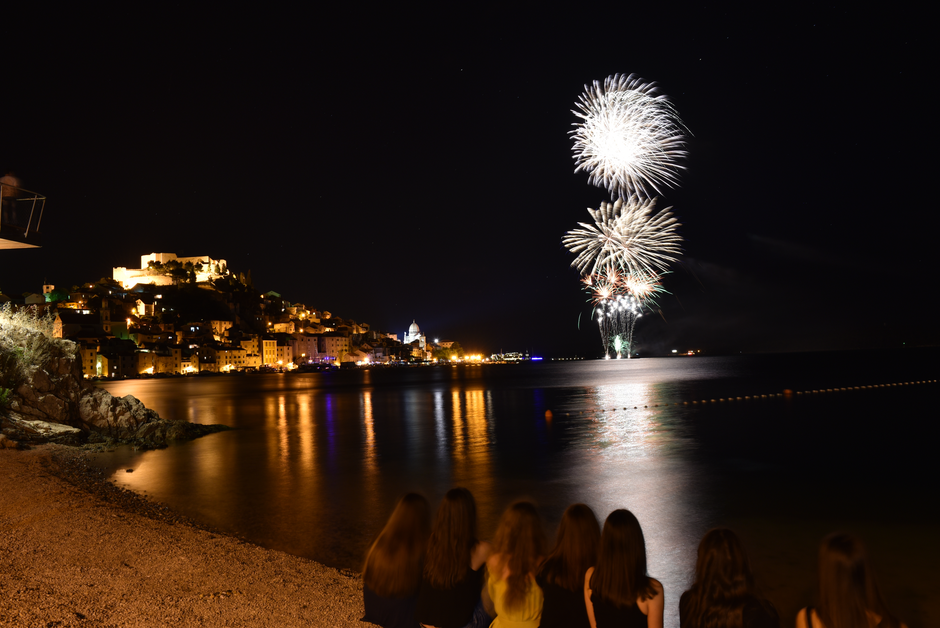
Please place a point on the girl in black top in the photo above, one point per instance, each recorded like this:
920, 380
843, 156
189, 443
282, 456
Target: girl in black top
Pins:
619, 592
849, 596
562, 573
392, 572
449, 596
724, 594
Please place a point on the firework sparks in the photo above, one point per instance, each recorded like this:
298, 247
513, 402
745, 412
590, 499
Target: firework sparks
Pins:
642, 286
629, 137
626, 235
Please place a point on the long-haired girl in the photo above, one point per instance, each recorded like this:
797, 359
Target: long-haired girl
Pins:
724, 594
449, 596
519, 547
561, 576
393, 567
618, 591
849, 596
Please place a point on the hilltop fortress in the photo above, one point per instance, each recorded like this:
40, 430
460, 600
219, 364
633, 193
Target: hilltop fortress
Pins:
204, 266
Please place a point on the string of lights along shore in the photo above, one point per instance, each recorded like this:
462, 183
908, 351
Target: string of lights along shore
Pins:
630, 141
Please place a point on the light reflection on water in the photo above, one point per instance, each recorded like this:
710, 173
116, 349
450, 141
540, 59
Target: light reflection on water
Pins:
315, 462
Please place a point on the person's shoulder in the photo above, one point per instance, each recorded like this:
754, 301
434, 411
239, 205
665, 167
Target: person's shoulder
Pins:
657, 586
479, 555
587, 578
801, 618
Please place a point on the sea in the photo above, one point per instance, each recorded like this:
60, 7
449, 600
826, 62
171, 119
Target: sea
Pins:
781, 448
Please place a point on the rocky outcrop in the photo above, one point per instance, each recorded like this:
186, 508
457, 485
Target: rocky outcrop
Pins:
50, 400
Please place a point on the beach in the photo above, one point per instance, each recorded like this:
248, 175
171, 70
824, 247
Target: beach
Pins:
77, 551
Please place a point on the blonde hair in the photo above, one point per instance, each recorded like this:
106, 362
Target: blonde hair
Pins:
520, 543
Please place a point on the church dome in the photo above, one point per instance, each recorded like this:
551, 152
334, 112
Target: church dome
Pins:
414, 330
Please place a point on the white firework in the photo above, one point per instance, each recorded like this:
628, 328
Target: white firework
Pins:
626, 235
629, 137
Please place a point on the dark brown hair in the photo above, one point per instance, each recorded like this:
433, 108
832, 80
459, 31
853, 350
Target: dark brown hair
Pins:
575, 549
620, 575
847, 586
453, 538
723, 582
395, 560
520, 542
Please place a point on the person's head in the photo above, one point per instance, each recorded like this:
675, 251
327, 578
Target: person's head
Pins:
847, 586
453, 538
620, 575
575, 548
520, 544
722, 567
722, 580
395, 560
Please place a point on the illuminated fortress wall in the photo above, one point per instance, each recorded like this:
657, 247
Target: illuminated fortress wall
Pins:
129, 277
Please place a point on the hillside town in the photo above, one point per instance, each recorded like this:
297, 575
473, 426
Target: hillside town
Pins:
193, 315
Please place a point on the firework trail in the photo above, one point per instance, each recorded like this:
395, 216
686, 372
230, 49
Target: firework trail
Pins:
626, 235
603, 288
619, 300
628, 138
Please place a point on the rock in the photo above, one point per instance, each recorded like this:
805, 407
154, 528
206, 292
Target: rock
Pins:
51, 401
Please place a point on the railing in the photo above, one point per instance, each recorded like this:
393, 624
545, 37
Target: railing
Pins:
20, 216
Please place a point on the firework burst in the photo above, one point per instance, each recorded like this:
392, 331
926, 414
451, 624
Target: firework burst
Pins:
629, 137
642, 286
626, 235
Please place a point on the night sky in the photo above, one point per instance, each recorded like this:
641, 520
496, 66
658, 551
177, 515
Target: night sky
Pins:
411, 166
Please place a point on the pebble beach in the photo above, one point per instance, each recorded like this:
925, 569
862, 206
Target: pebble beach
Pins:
77, 551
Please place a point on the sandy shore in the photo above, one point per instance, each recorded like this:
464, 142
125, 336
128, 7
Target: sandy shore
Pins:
77, 551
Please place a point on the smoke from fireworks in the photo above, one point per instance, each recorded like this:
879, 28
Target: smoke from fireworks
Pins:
628, 236
629, 137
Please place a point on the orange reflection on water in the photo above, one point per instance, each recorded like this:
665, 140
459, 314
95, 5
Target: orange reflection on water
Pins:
370, 466
306, 427
471, 450
278, 429
459, 447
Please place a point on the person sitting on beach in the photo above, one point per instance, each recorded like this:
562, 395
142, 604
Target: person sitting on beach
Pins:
519, 547
849, 596
561, 576
724, 592
392, 572
449, 596
618, 591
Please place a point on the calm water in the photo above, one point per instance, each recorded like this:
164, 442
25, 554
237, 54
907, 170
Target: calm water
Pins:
316, 461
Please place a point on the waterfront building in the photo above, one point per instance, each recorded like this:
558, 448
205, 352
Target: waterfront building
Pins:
333, 346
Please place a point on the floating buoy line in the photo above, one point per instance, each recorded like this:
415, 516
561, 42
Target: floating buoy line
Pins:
786, 393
